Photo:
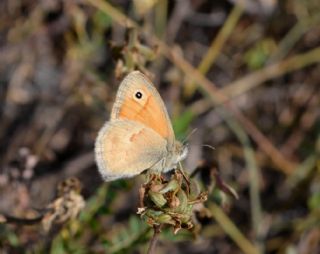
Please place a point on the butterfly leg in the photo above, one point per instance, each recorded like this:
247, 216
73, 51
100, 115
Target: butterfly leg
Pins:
184, 175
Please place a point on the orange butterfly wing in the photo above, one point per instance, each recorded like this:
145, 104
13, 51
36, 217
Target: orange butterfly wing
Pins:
148, 110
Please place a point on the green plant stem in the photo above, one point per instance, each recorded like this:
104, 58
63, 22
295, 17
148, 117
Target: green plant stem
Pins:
254, 179
161, 13
228, 226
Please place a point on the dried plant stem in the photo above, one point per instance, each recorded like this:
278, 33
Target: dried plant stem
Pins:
293, 36
256, 78
217, 44
154, 239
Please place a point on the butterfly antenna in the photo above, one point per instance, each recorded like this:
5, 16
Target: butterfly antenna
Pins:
189, 135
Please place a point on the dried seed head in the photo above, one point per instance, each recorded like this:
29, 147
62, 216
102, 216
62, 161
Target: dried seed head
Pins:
170, 202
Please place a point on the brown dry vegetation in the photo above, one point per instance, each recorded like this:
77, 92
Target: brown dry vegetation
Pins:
245, 76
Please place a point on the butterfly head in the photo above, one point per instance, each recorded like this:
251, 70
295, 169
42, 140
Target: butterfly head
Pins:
178, 154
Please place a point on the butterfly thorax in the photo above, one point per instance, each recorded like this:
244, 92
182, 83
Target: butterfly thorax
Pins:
177, 153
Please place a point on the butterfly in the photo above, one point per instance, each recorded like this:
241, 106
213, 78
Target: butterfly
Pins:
139, 135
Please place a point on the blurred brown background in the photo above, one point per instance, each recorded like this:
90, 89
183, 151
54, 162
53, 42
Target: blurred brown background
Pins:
245, 74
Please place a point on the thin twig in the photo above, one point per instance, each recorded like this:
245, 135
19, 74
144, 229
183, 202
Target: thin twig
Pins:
8, 219
154, 239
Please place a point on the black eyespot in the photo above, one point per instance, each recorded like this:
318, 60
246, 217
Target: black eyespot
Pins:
138, 95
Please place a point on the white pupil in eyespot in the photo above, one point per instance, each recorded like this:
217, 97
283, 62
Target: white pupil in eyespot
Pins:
138, 95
